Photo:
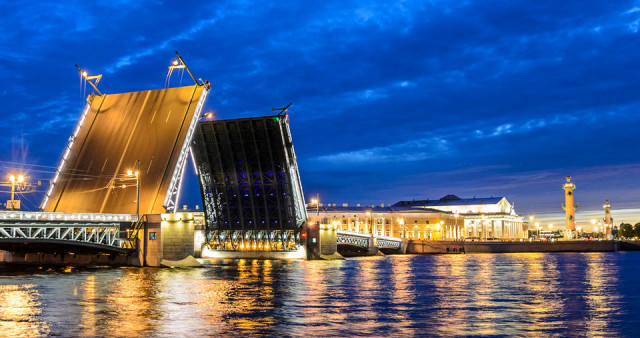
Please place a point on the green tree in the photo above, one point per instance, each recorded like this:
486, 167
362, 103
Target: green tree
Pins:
626, 231
636, 230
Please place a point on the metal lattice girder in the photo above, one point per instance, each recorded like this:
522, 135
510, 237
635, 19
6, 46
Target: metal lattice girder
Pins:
249, 177
102, 234
351, 237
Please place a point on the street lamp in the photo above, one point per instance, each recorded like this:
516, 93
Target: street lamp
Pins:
442, 231
538, 231
368, 214
401, 222
316, 201
136, 174
15, 181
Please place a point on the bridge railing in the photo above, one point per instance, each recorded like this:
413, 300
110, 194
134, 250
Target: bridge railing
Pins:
65, 216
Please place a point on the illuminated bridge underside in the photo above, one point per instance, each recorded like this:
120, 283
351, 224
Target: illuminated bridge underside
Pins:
112, 134
250, 184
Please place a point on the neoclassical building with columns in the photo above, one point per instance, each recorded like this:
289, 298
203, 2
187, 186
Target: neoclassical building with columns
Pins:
485, 218
449, 218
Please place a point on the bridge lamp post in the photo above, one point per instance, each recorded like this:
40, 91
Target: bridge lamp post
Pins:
369, 215
15, 181
137, 177
316, 201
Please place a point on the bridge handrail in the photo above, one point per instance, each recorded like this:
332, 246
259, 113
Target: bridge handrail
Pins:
58, 216
389, 238
353, 233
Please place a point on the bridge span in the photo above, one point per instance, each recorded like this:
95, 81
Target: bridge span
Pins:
55, 232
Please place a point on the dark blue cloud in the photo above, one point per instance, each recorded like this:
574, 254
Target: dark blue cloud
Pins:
388, 98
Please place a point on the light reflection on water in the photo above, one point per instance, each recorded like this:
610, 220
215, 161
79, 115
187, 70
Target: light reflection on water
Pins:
594, 294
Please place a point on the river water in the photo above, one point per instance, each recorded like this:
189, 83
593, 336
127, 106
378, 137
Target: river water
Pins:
535, 294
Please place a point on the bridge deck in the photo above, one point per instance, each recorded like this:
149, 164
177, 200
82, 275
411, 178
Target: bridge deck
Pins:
112, 134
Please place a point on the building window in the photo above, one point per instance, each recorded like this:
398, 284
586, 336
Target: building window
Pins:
416, 232
152, 236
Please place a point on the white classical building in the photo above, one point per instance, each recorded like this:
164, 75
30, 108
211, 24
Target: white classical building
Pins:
484, 218
449, 218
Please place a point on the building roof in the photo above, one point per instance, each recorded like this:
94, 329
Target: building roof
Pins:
376, 209
448, 201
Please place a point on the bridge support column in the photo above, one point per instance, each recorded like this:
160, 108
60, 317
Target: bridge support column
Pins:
403, 246
373, 246
322, 242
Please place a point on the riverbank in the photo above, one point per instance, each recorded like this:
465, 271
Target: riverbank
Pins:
444, 247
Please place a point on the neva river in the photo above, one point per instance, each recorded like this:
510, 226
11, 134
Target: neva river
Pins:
564, 294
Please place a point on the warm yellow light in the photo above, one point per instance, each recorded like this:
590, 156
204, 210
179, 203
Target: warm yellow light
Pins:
550, 226
136, 173
593, 221
12, 178
595, 229
368, 213
175, 62
20, 178
314, 201
129, 172
124, 186
538, 224
84, 73
441, 222
400, 221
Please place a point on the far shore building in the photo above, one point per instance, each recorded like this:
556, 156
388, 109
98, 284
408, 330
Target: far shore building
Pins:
484, 218
449, 218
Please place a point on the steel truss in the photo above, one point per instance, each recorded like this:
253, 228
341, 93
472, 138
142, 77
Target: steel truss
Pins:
362, 239
250, 184
262, 240
106, 234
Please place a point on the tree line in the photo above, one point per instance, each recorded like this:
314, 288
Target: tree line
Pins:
629, 231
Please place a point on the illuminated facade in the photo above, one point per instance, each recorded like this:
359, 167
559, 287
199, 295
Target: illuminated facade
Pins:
492, 218
399, 222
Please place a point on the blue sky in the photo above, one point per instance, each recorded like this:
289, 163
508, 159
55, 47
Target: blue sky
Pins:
391, 100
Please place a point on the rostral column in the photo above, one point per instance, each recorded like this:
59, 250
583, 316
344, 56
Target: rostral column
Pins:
569, 208
608, 221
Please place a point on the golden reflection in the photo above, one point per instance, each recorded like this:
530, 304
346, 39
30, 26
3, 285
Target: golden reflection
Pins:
401, 292
233, 302
600, 294
132, 303
20, 311
89, 299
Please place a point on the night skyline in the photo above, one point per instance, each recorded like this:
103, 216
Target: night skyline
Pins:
390, 102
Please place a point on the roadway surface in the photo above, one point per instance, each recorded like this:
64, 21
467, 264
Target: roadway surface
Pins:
119, 130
